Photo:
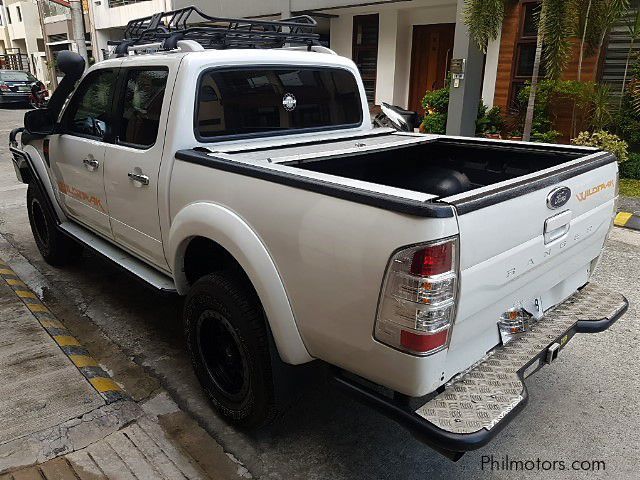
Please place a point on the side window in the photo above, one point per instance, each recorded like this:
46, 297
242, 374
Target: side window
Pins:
142, 106
90, 107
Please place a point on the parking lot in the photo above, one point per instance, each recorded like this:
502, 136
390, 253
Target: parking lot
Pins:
584, 408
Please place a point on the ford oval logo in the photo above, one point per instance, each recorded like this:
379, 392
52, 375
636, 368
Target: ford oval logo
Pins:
558, 197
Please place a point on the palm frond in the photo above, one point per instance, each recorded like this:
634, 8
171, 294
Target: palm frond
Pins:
484, 19
634, 94
558, 26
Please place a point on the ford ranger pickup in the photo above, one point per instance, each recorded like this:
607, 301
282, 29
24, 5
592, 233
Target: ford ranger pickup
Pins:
233, 162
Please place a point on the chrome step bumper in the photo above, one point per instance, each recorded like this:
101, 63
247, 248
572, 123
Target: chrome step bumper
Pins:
475, 405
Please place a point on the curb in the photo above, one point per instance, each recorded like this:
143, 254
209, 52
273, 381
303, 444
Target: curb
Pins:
627, 220
79, 356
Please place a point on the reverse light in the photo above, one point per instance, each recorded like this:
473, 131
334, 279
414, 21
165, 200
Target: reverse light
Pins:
514, 321
418, 301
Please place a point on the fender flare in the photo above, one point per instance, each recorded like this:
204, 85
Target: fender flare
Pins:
30, 158
226, 228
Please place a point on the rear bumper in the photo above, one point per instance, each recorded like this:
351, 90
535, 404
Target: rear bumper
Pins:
475, 405
14, 98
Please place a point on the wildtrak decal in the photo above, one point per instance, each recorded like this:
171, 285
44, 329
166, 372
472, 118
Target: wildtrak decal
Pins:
582, 196
81, 195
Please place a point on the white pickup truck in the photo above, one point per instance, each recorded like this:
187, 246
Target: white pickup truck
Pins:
433, 273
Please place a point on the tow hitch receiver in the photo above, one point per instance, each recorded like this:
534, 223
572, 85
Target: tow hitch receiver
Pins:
476, 404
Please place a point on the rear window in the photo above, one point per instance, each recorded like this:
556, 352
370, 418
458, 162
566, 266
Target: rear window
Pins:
16, 76
254, 101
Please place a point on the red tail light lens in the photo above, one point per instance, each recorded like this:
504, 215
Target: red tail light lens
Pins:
4, 87
433, 260
423, 343
418, 301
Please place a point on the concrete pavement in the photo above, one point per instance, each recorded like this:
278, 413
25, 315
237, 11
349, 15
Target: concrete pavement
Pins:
61, 412
584, 407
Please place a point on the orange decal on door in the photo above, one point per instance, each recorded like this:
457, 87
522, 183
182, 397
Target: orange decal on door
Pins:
81, 196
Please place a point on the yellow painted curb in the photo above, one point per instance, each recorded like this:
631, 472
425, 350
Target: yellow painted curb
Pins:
25, 294
87, 365
82, 361
104, 384
66, 341
51, 323
37, 307
622, 218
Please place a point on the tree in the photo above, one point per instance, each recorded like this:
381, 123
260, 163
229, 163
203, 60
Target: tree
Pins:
559, 21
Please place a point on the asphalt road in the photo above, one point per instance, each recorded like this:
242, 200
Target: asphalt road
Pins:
585, 407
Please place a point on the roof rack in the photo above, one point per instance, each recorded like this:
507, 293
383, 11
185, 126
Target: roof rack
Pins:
215, 32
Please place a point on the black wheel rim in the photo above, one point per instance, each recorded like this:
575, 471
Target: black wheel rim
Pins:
40, 223
222, 354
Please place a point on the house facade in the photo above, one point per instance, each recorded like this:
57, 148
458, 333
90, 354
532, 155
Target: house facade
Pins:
58, 30
21, 41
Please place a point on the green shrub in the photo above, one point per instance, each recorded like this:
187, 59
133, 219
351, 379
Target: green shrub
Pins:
489, 120
631, 168
606, 141
627, 119
436, 107
436, 101
435, 123
550, 136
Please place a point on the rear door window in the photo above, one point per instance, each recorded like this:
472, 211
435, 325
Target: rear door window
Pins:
142, 106
256, 101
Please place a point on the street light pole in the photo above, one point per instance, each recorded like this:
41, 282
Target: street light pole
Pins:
77, 25
47, 50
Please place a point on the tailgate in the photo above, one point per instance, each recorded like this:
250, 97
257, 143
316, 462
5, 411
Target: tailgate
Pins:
531, 243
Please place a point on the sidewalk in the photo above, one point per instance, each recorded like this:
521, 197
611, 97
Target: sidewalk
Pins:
63, 417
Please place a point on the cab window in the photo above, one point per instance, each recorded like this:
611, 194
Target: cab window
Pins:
89, 112
280, 99
142, 106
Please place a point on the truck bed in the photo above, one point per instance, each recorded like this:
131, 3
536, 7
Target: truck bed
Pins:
410, 173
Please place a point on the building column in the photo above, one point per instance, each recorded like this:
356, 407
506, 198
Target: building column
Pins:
465, 97
387, 40
491, 71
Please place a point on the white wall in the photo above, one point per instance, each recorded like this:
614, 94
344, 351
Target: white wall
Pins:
236, 8
105, 17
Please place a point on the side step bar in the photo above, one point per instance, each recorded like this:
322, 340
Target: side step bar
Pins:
127, 262
476, 404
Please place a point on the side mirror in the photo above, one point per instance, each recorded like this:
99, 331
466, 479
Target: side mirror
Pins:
39, 122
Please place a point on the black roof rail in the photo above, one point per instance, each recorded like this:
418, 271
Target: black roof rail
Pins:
190, 23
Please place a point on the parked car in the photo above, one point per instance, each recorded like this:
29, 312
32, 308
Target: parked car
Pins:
433, 273
15, 86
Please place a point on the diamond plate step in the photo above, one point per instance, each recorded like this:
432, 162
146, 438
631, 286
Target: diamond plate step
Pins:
482, 396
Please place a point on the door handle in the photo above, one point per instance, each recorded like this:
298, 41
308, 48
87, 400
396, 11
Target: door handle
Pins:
91, 163
138, 179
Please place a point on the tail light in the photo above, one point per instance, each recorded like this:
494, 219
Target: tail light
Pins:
4, 87
418, 301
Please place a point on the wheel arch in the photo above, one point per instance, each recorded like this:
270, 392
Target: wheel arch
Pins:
215, 223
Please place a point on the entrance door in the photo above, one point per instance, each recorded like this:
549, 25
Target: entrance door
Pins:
431, 53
